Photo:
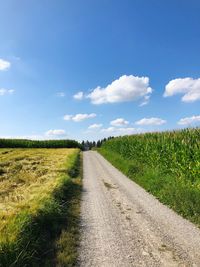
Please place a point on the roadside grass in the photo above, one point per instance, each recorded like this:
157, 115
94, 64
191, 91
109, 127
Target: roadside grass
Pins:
177, 187
66, 244
39, 201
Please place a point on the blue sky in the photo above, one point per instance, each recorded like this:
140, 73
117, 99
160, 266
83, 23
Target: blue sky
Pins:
134, 63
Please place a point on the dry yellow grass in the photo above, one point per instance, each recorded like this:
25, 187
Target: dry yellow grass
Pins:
27, 177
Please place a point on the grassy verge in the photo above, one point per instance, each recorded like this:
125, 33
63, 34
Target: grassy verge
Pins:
37, 213
66, 244
177, 191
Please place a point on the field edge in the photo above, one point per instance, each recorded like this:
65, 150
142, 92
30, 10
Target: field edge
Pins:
182, 198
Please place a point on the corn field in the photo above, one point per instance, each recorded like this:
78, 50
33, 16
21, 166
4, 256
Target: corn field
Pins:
176, 153
166, 164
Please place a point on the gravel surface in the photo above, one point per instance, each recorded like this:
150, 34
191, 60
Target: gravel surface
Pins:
123, 225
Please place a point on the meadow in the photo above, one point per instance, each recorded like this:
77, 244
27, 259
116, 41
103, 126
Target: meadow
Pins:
166, 164
39, 206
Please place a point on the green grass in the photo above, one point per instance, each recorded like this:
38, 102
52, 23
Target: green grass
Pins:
39, 203
66, 244
166, 164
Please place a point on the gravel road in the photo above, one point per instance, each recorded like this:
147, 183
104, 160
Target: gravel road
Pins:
123, 225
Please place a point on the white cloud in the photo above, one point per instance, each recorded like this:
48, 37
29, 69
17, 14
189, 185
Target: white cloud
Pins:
108, 130
68, 117
57, 132
4, 65
120, 131
119, 122
29, 137
79, 117
126, 88
145, 101
127, 131
60, 94
79, 96
189, 87
189, 120
95, 126
4, 91
150, 121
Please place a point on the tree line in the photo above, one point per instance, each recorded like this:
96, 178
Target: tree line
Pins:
25, 143
88, 145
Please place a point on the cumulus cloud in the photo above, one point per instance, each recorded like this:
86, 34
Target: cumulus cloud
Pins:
95, 126
79, 117
56, 132
4, 65
126, 88
79, 96
150, 121
4, 91
189, 120
60, 94
119, 122
189, 87
120, 131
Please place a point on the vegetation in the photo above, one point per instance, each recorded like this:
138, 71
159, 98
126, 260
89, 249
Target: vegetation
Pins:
39, 206
88, 145
24, 143
66, 244
166, 164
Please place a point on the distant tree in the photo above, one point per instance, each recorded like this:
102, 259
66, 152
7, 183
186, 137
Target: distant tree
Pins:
99, 143
93, 144
90, 145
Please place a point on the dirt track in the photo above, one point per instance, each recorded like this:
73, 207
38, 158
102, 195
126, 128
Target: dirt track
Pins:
123, 225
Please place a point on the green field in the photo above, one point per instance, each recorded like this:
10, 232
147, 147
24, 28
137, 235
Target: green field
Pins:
166, 164
40, 190
39, 206
25, 143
